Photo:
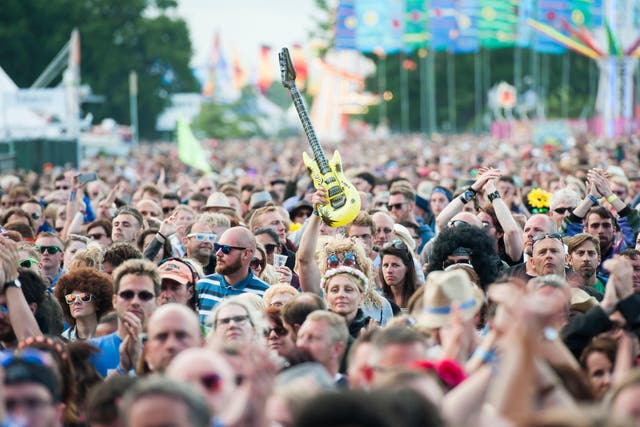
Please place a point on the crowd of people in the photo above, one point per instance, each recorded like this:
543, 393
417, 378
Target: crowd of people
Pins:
483, 282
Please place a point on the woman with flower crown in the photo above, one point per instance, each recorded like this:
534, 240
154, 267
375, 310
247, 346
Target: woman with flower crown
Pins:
344, 290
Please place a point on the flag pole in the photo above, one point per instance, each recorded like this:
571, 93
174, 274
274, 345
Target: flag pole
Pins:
404, 94
477, 86
431, 84
422, 55
382, 87
564, 93
451, 90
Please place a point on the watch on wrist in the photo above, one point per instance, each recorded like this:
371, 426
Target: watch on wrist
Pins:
12, 284
493, 196
467, 196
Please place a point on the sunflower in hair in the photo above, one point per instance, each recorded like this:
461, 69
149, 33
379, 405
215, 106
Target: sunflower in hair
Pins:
537, 201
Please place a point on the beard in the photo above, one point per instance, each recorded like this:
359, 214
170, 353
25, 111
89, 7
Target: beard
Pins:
228, 267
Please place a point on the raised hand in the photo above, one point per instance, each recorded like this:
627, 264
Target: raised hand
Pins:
131, 346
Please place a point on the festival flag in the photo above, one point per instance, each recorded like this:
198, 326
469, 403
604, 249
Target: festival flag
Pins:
346, 23
380, 26
497, 27
552, 13
465, 34
209, 87
239, 75
190, 151
442, 23
415, 25
265, 69
524, 32
300, 65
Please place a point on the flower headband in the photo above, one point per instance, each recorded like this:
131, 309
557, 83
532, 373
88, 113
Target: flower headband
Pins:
345, 270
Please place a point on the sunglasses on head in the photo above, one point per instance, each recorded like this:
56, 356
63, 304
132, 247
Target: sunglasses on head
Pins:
28, 262
561, 211
396, 244
279, 330
201, 237
211, 381
270, 248
456, 223
52, 250
226, 249
82, 297
348, 260
142, 295
542, 236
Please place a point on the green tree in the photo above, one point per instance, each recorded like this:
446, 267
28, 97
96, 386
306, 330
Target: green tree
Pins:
239, 119
117, 36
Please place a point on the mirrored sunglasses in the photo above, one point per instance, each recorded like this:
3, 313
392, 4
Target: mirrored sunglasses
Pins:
82, 297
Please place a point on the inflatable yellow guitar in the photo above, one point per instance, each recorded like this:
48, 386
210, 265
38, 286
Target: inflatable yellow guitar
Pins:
344, 200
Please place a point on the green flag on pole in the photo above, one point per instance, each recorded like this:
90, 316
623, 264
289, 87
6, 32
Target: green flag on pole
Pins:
497, 24
190, 151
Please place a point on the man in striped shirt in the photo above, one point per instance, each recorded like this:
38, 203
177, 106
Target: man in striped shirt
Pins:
234, 251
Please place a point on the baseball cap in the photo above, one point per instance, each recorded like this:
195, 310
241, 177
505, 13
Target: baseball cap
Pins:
176, 270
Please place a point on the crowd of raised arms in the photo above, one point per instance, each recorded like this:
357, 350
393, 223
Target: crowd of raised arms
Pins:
482, 283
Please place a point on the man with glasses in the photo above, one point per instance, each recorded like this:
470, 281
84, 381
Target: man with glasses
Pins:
100, 231
234, 251
562, 203
36, 212
137, 285
535, 225
51, 248
402, 203
198, 242
549, 255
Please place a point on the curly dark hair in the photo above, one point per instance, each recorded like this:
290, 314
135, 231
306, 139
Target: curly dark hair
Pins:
484, 259
411, 279
86, 279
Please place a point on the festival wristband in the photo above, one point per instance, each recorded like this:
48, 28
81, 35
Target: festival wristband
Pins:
594, 200
612, 198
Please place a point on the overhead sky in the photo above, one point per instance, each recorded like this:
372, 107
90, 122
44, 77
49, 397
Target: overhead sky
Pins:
244, 25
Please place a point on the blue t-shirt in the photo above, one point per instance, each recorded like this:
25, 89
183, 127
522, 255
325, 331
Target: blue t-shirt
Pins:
109, 356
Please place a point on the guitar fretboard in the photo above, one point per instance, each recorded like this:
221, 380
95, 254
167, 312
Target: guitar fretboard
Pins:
318, 153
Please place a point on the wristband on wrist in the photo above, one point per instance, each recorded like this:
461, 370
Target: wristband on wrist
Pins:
593, 199
162, 235
315, 212
612, 198
493, 196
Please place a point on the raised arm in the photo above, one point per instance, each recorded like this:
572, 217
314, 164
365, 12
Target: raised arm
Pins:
307, 269
513, 244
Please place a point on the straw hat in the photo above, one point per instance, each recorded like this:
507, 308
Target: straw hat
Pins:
581, 301
217, 200
442, 288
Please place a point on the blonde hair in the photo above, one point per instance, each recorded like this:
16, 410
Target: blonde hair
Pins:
91, 257
339, 245
281, 288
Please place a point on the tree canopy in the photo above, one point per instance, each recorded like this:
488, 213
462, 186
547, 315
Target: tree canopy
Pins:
117, 36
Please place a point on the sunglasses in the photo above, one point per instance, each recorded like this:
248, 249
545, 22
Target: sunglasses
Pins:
396, 244
456, 223
270, 248
28, 262
547, 236
561, 211
167, 210
62, 187
28, 355
201, 237
82, 297
279, 330
234, 319
211, 381
395, 206
52, 250
348, 260
226, 249
255, 263
142, 295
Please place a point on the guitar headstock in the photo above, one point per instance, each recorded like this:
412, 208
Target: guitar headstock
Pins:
287, 71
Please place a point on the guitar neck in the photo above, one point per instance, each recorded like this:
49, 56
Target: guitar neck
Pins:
318, 153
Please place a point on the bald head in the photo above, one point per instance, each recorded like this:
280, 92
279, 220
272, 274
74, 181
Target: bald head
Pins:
239, 236
149, 209
196, 366
172, 329
469, 218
